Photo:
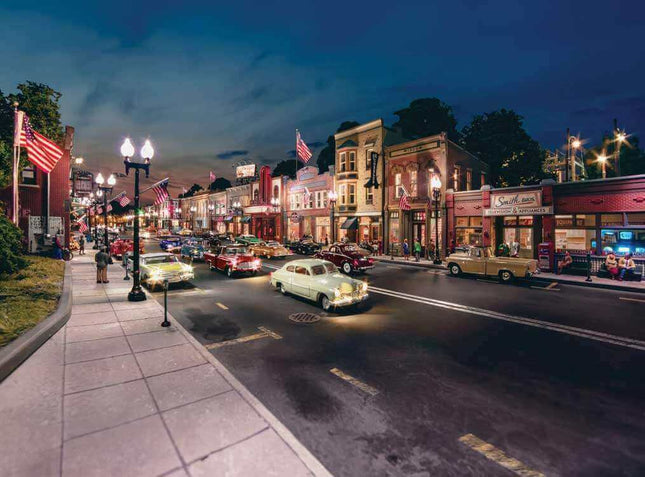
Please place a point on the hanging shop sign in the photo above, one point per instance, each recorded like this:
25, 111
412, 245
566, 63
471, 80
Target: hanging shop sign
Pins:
373, 182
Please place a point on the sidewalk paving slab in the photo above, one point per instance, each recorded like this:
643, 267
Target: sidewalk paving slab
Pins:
113, 393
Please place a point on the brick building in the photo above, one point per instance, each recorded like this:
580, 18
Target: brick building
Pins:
308, 210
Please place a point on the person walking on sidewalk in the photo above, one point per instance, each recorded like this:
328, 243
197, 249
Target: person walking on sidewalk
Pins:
81, 245
417, 249
406, 249
101, 260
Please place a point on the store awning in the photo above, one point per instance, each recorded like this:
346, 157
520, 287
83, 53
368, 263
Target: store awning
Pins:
350, 224
228, 218
246, 219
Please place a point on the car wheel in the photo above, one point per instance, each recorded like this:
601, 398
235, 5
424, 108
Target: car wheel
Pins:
283, 290
454, 269
505, 276
254, 273
325, 303
229, 272
210, 266
347, 268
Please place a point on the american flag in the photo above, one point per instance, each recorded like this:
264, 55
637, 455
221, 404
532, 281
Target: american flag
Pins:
161, 191
41, 152
302, 151
82, 226
404, 201
123, 199
307, 196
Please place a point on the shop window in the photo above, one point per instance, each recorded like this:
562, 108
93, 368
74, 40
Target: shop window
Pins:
397, 185
469, 179
369, 196
574, 240
394, 227
636, 218
342, 162
526, 221
512, 220
468, 236
419, 217
351, 165
462, 222
413, 183
621, 241
611, 219
476, 221
456, 178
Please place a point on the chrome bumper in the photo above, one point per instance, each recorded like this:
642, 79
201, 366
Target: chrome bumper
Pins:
349, 300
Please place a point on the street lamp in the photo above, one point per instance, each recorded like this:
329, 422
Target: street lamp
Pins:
211, 209
147, 152
620, 138
333, 197
435, 183
103, 192
602, 159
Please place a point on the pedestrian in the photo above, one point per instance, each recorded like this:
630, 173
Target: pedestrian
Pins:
406, 249
417, 249
515, 248
326, 241
612, 265
626, 265
81, 245
58, 248
101, 259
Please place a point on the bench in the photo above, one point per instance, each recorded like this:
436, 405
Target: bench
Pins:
635, 276
576, 268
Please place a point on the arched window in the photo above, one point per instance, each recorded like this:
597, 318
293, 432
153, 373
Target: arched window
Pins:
276, 192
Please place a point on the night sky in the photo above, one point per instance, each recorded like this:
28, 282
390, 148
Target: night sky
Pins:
215, 82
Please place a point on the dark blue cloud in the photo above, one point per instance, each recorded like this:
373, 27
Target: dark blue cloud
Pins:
231, 154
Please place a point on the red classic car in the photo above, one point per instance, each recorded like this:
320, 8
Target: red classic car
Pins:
233, 259
347, 257
121, 246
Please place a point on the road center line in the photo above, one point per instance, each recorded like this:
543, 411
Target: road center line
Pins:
631, 299
498, 456
264, 333
222, 306
569, 330
355, 382
553, 284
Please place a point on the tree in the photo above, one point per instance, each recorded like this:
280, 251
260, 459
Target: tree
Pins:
192, 191
499, 139
327, 156
427, 117
11, 258
220, 183
287, 168
632, 157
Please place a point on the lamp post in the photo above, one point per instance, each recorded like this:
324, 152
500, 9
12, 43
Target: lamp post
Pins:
211, 209
104, 191
147, 152
574, 145
602, 159
193, 209
237, 211
275, 203
95, 234
332, 197
620, 138
436, 196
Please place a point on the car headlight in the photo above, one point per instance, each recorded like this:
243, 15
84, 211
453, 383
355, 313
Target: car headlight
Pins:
256, 263
336, 292
364, 286
155, 275
188, 269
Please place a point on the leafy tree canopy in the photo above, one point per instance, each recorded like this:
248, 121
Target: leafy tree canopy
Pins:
220, 183
499, 139
192, 191
327, 155
426, 117
287, 168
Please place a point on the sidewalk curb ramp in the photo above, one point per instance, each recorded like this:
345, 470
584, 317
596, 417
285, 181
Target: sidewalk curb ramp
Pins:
13, 354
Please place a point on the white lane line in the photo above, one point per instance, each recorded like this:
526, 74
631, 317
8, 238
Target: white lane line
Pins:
355, 382
544, 288
551, 285
264, 333
631, 299
498, 456
222, 306
569, 330
393, 266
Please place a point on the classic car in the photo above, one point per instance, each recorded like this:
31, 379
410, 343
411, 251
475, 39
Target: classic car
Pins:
247, 239
269, 249
348, 257
149, 232
481, 261
304, 247
185, 232
233, 259
163, 233
121, 246
171, 243
159, 267
192, 248
220, 240
320, 281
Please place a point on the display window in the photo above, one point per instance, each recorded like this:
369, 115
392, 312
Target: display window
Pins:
394, 227
623, 241
575, 240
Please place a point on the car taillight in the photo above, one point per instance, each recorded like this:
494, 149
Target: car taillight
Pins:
356, 263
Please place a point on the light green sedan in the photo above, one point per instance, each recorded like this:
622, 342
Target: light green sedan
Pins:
320, 281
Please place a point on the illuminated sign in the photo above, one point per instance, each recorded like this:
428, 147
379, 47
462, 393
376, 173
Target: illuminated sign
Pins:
244, 171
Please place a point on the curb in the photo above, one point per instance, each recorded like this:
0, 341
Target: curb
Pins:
589, 284
13, 354
308, 459
411, 264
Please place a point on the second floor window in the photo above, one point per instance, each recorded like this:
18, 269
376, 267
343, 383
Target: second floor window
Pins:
342, 163
351, 164
369, 196
351, 194
456, 178
342, 194
413, 183
469, 179
397, 185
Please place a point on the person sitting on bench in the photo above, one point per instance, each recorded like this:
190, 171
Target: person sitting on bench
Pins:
626, 265
612, 265
565, 263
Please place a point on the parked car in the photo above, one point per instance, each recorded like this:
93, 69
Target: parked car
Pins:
121, 246
247, 239
149, 232
163, 233
481, 261
269, 249
320, 281
192, 248
355, 247
305, 247
348, 257
185, 232
158, 267
220, 240
170, 243
233, 259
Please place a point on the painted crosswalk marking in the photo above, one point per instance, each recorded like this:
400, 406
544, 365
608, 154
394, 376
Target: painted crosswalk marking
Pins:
264, 333
498, 456
355, 382
222, 306
551, 285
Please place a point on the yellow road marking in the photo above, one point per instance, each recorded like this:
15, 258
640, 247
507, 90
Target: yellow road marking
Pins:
264, 333
498, 456
631, 299
551, 285
545, 288
359, 384
222, 306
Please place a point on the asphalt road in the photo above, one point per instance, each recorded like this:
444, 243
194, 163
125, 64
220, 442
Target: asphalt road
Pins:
553, 379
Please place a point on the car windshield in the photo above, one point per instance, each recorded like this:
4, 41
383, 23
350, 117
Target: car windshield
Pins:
163, 259
234, 251
351, 248
318, 270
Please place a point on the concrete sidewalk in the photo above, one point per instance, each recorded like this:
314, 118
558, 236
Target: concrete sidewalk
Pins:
113, 393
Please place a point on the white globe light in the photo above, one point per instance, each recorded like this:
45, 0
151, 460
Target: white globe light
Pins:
127, 149
435, 182
147, 151
99, 179
111, 180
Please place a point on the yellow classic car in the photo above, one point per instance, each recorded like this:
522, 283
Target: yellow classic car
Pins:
268, 249
481, 261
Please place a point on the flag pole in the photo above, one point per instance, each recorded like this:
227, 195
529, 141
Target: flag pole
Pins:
16, 161
296, 178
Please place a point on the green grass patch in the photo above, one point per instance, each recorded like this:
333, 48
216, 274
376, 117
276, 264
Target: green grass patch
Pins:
29, 296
